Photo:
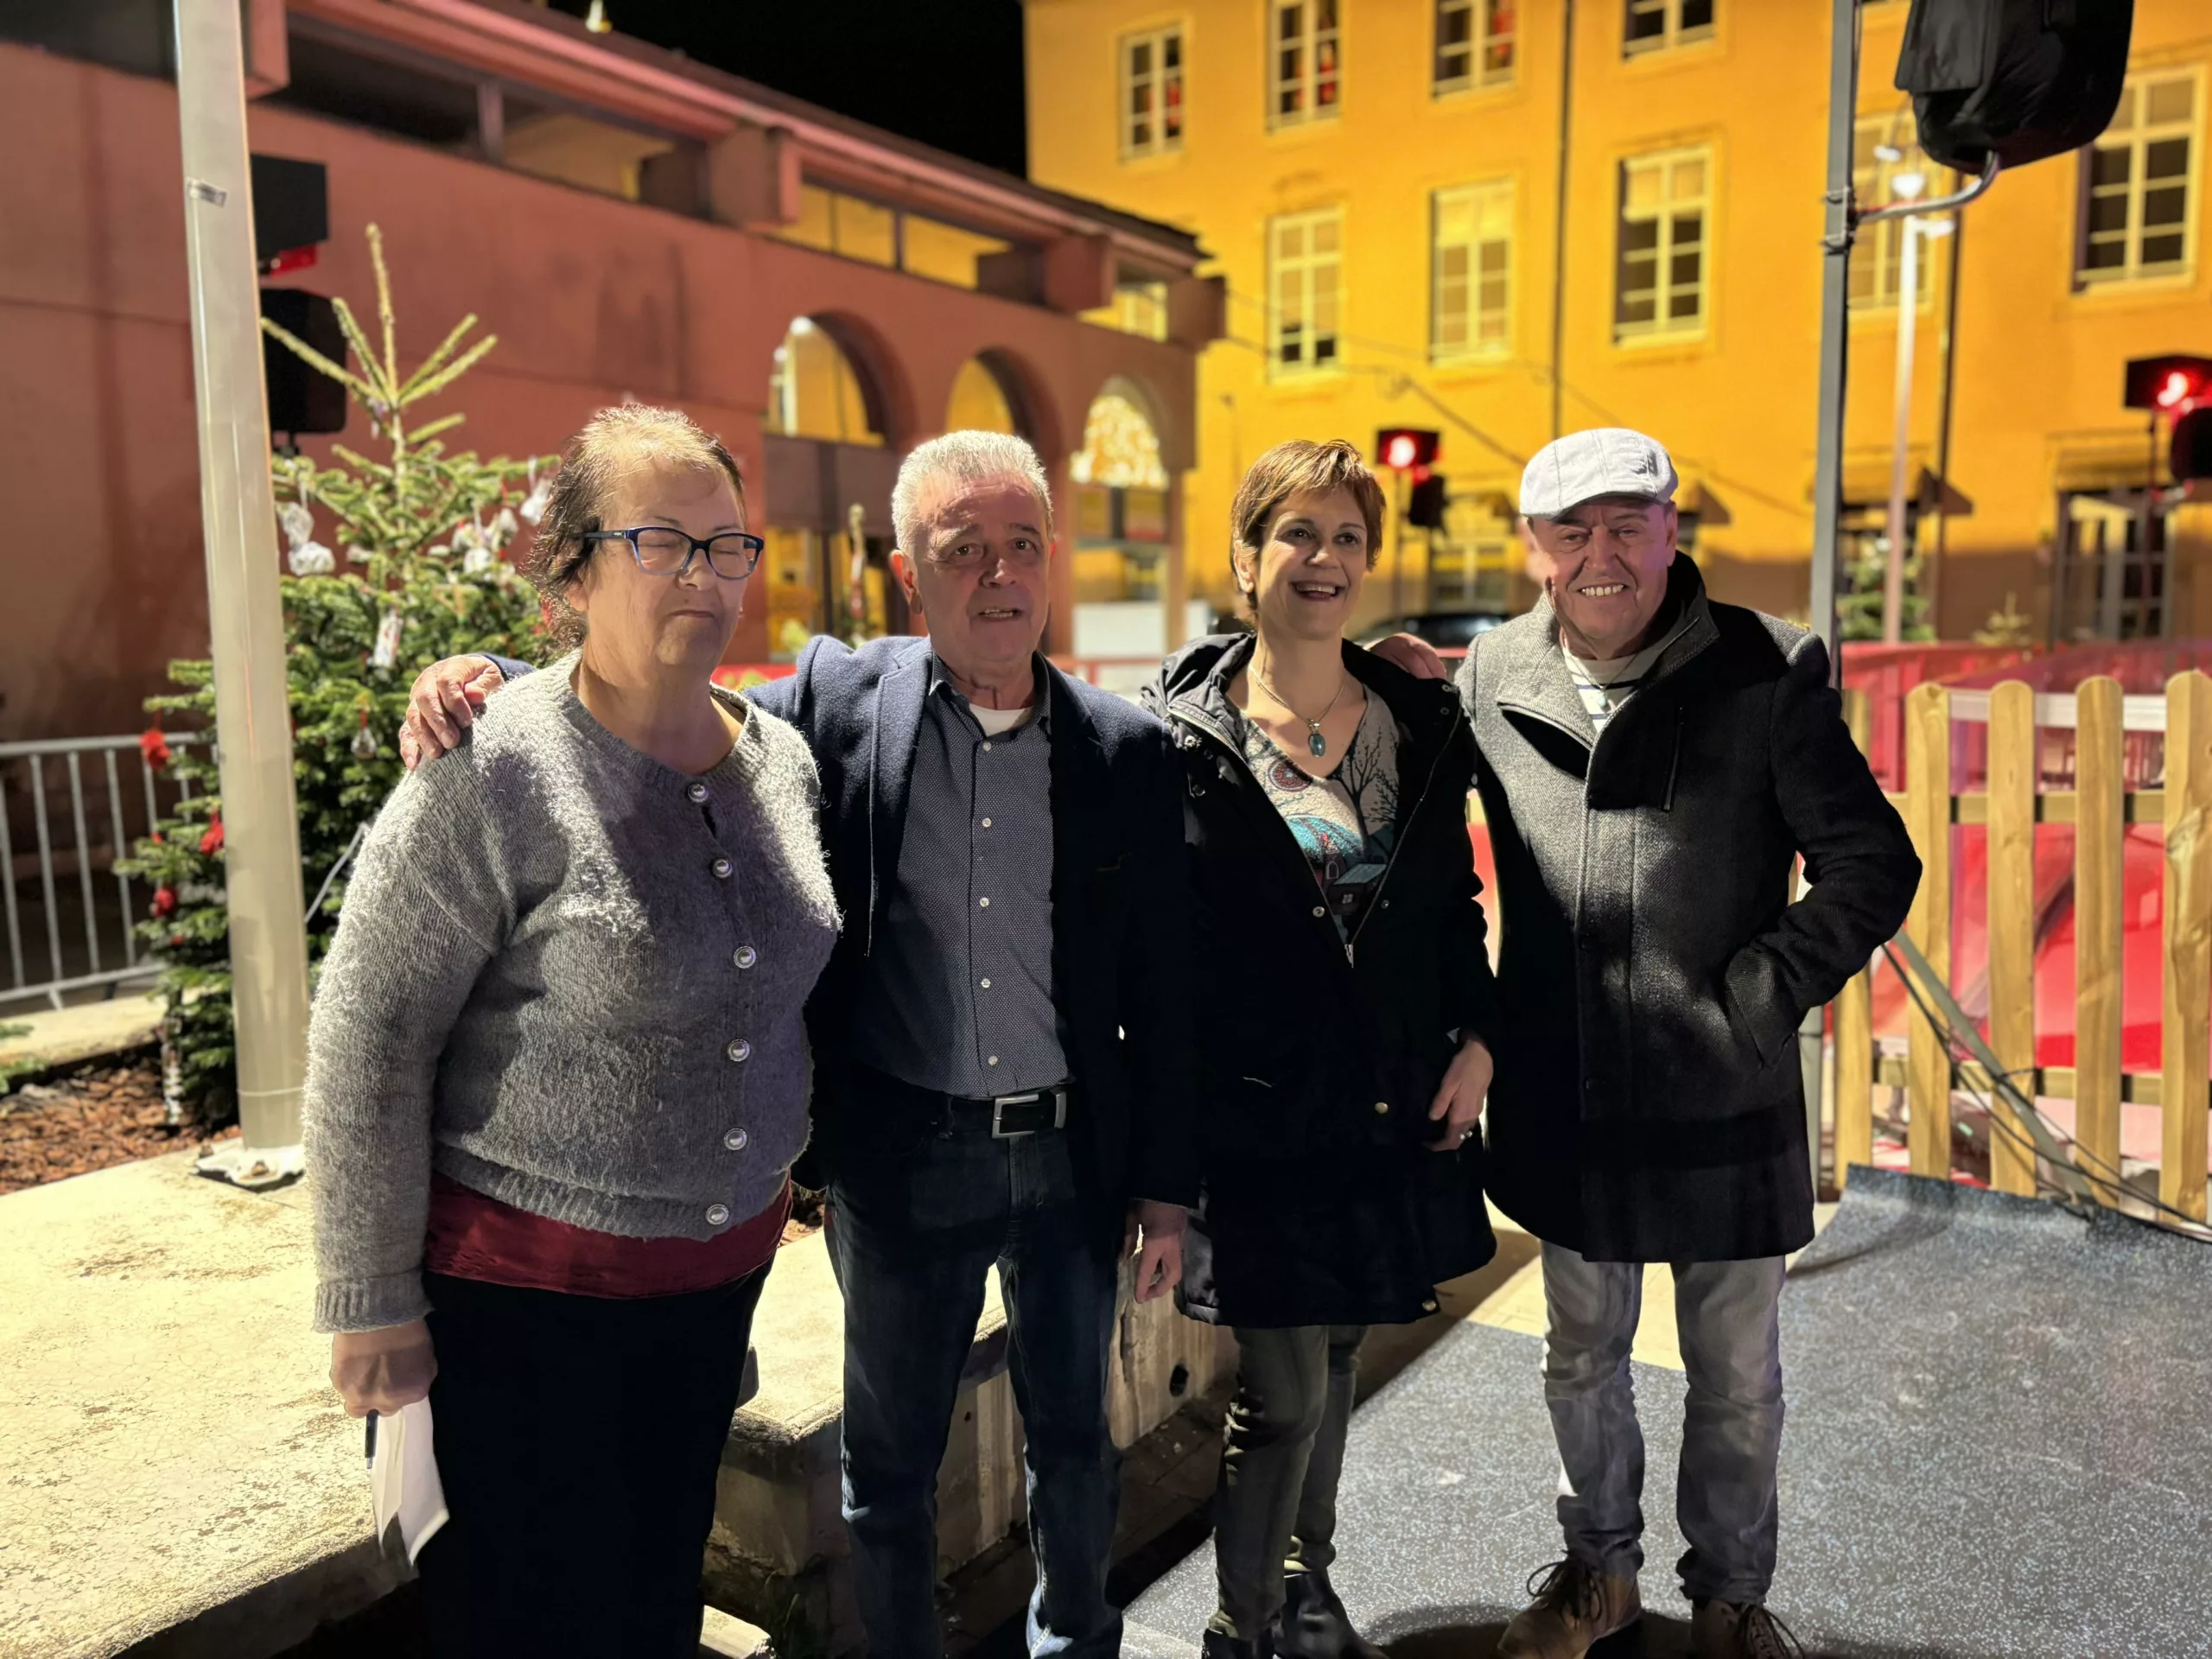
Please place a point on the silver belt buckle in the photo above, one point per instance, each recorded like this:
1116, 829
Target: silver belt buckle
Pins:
999, 1105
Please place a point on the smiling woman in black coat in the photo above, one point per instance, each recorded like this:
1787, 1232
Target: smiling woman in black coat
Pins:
1349, 1010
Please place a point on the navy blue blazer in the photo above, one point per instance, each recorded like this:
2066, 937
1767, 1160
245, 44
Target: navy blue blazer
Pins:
1122, 956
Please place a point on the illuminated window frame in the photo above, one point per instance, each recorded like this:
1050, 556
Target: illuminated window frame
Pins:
2140, 143
1477, 44
1666, 288
1152, 91
1477, 222
1306, 284
1304, 46
1662, 25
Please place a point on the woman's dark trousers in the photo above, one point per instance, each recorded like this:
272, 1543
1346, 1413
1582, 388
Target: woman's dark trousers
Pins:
578, 1439
1282, 1452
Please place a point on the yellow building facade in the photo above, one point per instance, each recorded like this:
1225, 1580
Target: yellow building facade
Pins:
1455, 214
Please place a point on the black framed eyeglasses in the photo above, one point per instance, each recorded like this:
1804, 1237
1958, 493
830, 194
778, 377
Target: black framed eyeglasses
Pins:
661, 551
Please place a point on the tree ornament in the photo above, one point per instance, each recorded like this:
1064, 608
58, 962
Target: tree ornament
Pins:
365, 741
540, 494
386, 654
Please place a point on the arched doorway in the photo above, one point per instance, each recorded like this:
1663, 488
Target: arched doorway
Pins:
981, 402
827, 454
1124, 531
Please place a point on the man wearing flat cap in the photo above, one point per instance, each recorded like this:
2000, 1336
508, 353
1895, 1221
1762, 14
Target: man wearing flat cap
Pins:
1652, 764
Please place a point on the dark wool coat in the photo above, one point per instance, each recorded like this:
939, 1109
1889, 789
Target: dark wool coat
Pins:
1649, 1105
1318, 1060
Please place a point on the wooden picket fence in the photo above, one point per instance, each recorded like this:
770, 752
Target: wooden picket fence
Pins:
2119, 775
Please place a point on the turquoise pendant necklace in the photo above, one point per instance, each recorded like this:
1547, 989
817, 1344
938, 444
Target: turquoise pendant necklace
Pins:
1314, 740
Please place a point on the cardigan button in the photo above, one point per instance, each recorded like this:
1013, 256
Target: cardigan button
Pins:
741, 1051
735, 1140
717, 1214
695, 792
1428, 1305
1382, 1108
721, 867
1320, 910
745, 955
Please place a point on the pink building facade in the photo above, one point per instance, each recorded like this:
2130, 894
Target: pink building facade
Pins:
674, 278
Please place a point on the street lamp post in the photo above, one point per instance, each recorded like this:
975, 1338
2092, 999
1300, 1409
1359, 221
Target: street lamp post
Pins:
253, 727
1907, 187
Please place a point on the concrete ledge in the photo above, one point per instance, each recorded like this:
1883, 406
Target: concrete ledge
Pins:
178, 1478
180, 1482
86, 1031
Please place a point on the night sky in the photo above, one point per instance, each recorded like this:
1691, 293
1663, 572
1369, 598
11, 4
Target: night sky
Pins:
945, 71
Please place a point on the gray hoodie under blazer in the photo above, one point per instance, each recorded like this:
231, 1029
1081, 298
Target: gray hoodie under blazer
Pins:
569, 977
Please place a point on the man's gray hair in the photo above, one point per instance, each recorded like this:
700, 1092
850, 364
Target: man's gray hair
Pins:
963, 458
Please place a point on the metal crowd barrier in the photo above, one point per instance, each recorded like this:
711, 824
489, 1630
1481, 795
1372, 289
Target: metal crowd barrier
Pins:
69, 809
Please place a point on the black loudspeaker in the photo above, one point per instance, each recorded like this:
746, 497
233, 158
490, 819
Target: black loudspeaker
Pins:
2020, 79
1425, 505
302, 399
291, 206
2190, 457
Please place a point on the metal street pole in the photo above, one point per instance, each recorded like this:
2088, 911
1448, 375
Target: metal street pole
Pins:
1908, 317
253, 729
1835, 325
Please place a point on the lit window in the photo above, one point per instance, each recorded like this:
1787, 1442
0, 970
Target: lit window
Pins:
2139, 185
1877, 254
1473, 561
1151, 93
1303, 65
1660, 283
1656, 25
1472, 311
1474, 44
1305, 288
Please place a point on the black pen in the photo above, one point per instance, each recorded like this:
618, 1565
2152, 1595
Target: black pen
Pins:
369, 1439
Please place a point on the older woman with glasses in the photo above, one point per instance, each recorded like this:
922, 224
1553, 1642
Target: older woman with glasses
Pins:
559, 1076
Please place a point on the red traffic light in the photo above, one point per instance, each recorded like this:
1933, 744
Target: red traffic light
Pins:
2168, 385
1402, 448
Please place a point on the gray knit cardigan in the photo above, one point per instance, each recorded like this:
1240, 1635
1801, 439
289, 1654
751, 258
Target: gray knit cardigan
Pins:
569, 977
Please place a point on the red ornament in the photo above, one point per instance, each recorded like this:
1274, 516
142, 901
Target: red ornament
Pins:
164, 901
212, 842
154, 747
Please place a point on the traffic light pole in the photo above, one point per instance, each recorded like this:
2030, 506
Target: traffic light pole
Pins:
253, 726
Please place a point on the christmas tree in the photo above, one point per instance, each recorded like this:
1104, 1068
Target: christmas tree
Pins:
423, 577
1858, 612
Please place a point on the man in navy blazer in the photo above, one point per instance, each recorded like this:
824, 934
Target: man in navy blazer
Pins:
1004, 1070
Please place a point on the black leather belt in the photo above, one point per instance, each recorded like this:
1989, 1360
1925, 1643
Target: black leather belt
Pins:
1000, 1116
1006, 1116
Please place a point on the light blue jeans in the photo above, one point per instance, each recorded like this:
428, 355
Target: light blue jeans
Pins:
1727, 1319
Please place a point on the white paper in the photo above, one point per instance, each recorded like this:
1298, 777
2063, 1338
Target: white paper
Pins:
403, 1477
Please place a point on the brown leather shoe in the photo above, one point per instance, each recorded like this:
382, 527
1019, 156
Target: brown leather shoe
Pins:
1575, 1607
1727, 1630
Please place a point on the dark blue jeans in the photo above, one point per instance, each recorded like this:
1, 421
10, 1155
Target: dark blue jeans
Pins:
911, 1238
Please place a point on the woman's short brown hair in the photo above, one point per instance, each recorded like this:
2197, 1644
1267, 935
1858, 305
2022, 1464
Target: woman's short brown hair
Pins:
1290, 470
612, 443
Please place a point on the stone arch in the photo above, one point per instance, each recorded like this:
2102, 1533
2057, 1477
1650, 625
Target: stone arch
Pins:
879, 381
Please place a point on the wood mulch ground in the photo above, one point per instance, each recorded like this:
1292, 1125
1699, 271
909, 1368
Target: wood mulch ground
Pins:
87, 1117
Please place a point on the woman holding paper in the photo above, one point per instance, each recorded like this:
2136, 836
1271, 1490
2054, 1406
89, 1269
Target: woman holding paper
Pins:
557, 1075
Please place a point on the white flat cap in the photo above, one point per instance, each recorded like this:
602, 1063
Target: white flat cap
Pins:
1583, 466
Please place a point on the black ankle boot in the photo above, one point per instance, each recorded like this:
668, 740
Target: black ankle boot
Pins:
1315, 1624
1214, 1645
